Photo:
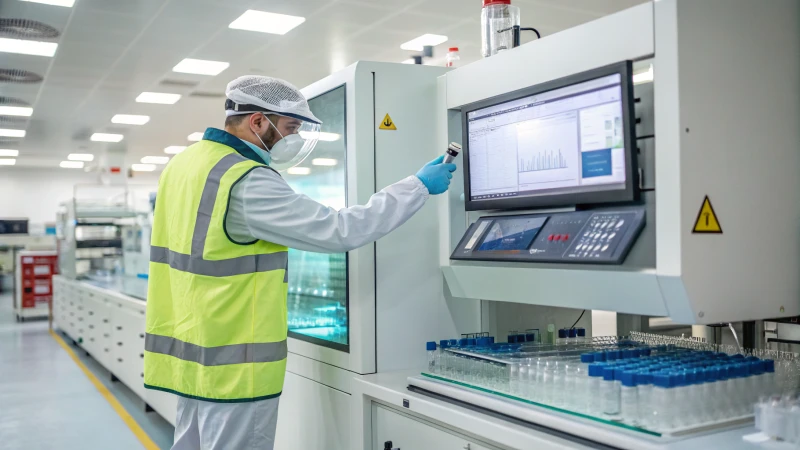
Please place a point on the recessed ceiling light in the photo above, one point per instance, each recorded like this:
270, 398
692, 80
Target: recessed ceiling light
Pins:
195, 137
320, 136
174, 149
143, 167
7, 161
71, 164
15, 111
5, 132
36, 48
158, 98
129, 119
8, 152
266, 22
67, 3
324, 162
201, 67
80, 157
155, 160
426, 39
107, 137
299, 171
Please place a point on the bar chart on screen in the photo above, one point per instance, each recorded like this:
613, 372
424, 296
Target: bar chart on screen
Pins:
547, 151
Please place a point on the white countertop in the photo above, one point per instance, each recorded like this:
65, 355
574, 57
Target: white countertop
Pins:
392, 388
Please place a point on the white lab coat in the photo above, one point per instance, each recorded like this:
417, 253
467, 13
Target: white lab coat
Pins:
263, 206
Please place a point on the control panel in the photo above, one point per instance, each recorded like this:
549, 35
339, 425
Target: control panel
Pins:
580, 237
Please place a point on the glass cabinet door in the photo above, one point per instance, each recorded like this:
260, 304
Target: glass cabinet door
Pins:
317, 302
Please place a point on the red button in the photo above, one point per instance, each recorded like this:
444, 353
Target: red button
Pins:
558, 237
550, 238
565, 237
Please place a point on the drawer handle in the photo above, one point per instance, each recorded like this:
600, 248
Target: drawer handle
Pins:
91, 313
141, 355
105, 350
141, 375
105, 320
119, 343
141, 335
80, 308
80, 319
91, 327
119, 328
91, 339
119, 359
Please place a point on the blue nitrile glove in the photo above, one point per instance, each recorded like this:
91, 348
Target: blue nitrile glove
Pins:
436, 176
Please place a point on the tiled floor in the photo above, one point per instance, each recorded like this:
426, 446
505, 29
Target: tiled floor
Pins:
46, 401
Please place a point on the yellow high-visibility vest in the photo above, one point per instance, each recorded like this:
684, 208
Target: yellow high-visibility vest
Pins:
216, 308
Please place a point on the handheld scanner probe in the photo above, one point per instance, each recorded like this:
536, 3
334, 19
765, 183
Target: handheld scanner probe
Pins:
452, 151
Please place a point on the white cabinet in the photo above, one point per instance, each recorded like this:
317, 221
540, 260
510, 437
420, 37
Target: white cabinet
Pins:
407, 433
127, 332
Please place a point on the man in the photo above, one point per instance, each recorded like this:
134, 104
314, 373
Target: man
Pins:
224, 220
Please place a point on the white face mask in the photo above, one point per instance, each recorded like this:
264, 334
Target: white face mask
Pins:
284, 150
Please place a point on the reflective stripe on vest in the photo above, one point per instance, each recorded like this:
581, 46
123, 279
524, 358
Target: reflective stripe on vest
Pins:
237, 365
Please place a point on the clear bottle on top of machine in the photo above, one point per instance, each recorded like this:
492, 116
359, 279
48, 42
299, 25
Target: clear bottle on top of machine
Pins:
498, 15
453, 58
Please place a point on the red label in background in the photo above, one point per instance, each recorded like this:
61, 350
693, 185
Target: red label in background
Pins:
115, 170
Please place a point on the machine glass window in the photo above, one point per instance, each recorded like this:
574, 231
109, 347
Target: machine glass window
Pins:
552, 144
317, 300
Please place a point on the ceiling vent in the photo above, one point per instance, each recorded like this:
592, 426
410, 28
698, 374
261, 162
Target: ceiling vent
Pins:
205, 94
11, 101
19, 76
179, 83
27, 29
6, 121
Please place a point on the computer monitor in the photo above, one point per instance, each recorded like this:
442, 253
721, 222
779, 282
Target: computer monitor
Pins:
566, 142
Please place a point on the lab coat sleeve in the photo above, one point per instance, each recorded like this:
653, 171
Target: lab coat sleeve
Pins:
273, 212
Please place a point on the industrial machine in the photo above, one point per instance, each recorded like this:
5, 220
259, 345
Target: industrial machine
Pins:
651, 172
360, 313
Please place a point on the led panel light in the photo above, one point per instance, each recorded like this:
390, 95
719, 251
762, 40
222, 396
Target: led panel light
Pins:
8, 152
324, 162
80, 157
143, 167
266, 22
66, 3
7, 161
195, 137
174, 149
158, 98
299, 171
5, 132
107, 137
16, 111
155, 160
22, 47
417, 44
320, 136
201, 67
130, 119
71, 164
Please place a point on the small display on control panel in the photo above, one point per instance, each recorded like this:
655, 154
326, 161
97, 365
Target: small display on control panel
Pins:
596, 237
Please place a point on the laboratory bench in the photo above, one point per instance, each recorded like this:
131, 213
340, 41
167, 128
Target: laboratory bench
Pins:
420, 421
106, 318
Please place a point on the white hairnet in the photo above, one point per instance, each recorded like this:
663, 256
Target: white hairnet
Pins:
271, 94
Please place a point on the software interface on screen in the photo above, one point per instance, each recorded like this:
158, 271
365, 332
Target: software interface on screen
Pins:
567, 140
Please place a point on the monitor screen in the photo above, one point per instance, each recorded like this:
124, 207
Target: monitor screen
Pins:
552, 147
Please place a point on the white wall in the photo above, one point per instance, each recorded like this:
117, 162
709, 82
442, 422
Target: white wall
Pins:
36, 193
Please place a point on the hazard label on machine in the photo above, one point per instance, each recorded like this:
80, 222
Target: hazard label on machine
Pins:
387, 123
707, 221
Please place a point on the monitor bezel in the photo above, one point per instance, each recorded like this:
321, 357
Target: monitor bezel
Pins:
631, 191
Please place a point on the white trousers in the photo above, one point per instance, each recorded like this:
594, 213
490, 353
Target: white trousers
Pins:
230, 426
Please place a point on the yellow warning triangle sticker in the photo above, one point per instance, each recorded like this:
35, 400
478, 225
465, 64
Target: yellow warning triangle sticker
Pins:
387, 124
707, 219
